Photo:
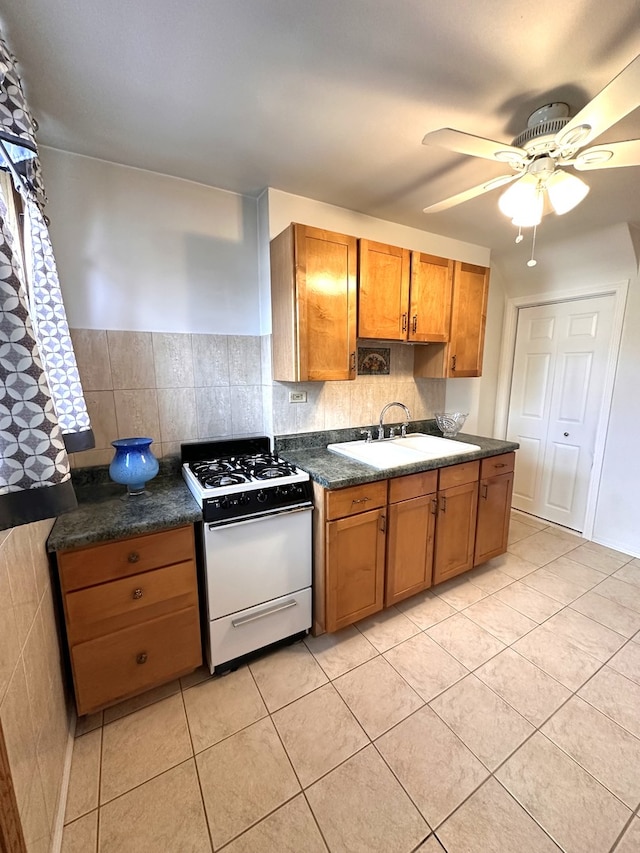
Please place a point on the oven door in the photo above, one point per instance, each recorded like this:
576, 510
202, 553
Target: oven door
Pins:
256, 560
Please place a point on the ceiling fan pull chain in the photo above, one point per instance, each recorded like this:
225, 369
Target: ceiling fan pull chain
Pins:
532, 261
519, 238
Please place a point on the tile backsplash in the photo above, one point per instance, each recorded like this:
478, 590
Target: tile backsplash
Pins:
179, 387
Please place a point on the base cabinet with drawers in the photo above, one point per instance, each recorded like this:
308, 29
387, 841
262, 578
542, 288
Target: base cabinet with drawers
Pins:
410, 536
131, 615
494, 505
378, 543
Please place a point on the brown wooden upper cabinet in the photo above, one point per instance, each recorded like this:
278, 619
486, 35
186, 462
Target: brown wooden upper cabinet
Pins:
402, 295
462, 355
313, 301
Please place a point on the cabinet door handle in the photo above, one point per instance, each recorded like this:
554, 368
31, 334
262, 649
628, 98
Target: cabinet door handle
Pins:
434, 506
383, 523
443, 504
133, 557
137, 593
141, 658
353, 362
414, 326
454, 358
484, 492
405, 319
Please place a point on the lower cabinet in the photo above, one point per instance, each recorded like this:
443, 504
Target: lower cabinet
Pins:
355, 531
131, 615
378, 543
456, 520
494, 506
410, 536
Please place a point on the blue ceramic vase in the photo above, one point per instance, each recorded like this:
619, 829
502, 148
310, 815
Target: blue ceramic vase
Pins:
134, 464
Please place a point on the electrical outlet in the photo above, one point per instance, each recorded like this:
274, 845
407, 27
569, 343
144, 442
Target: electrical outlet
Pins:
297, 396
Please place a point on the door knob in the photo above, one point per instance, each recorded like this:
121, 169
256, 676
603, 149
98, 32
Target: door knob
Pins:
566, 434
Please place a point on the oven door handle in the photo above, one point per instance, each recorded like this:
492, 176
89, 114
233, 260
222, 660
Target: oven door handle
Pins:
268, 611
252, 520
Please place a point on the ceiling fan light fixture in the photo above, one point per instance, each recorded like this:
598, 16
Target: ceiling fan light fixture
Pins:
565, 191
523, 202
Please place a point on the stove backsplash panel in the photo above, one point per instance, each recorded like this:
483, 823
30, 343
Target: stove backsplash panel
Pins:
179, 387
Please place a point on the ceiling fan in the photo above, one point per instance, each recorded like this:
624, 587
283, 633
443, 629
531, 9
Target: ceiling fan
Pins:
551, 143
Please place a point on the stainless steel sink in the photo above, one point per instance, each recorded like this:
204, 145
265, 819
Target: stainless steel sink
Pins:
393, 453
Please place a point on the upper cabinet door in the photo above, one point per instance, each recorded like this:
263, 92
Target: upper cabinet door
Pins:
383, 291
468, 319
313, 299
430, 307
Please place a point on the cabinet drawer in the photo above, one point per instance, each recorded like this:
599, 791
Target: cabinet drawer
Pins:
110, 668
344, 502
88, 566
502, 464
412, 486
100, 610
456, 475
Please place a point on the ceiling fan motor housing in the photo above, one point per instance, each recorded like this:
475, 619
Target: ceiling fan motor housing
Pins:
540, 139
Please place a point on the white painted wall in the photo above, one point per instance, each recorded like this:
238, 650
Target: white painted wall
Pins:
145, 252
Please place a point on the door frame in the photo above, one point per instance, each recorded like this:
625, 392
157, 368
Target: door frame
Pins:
505, 371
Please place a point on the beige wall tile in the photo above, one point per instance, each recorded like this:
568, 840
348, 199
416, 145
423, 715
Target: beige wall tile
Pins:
429, 397
137, 414
336, 398
210, 360
244, 360
9, 641
22, 580
35, 820
131, 356
39, 531
246, 409
173, 359
17, 726
36, 670
284, 414
213, 407
102, 411
310, 415
178, 414
90, 458
92, 356
265, 359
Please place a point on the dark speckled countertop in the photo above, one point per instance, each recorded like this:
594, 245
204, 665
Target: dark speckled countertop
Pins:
333, 471
102, 515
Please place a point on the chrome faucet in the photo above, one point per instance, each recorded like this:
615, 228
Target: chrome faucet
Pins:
392, 431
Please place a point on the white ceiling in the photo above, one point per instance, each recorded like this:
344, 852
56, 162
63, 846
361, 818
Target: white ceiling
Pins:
327, 99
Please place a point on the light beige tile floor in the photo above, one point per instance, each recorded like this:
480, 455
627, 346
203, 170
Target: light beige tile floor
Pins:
497, 712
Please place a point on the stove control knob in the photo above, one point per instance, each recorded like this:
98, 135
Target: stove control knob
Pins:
261, 496
244, 499
224, 503
284, 490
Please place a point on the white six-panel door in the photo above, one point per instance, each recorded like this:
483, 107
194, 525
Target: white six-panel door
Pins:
556, 395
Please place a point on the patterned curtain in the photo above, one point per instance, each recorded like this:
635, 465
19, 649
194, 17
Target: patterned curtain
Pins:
43, 415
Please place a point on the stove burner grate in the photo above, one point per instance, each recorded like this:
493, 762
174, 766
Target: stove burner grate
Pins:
217, 481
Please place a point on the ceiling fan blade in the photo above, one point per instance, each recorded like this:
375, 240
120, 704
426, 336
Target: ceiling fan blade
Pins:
486, 187
614, 102
476, 146
609, 156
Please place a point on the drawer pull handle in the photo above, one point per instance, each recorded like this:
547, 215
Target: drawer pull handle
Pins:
133, 557
137, 593
360, 501
500, 465
244, 620
141, 658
